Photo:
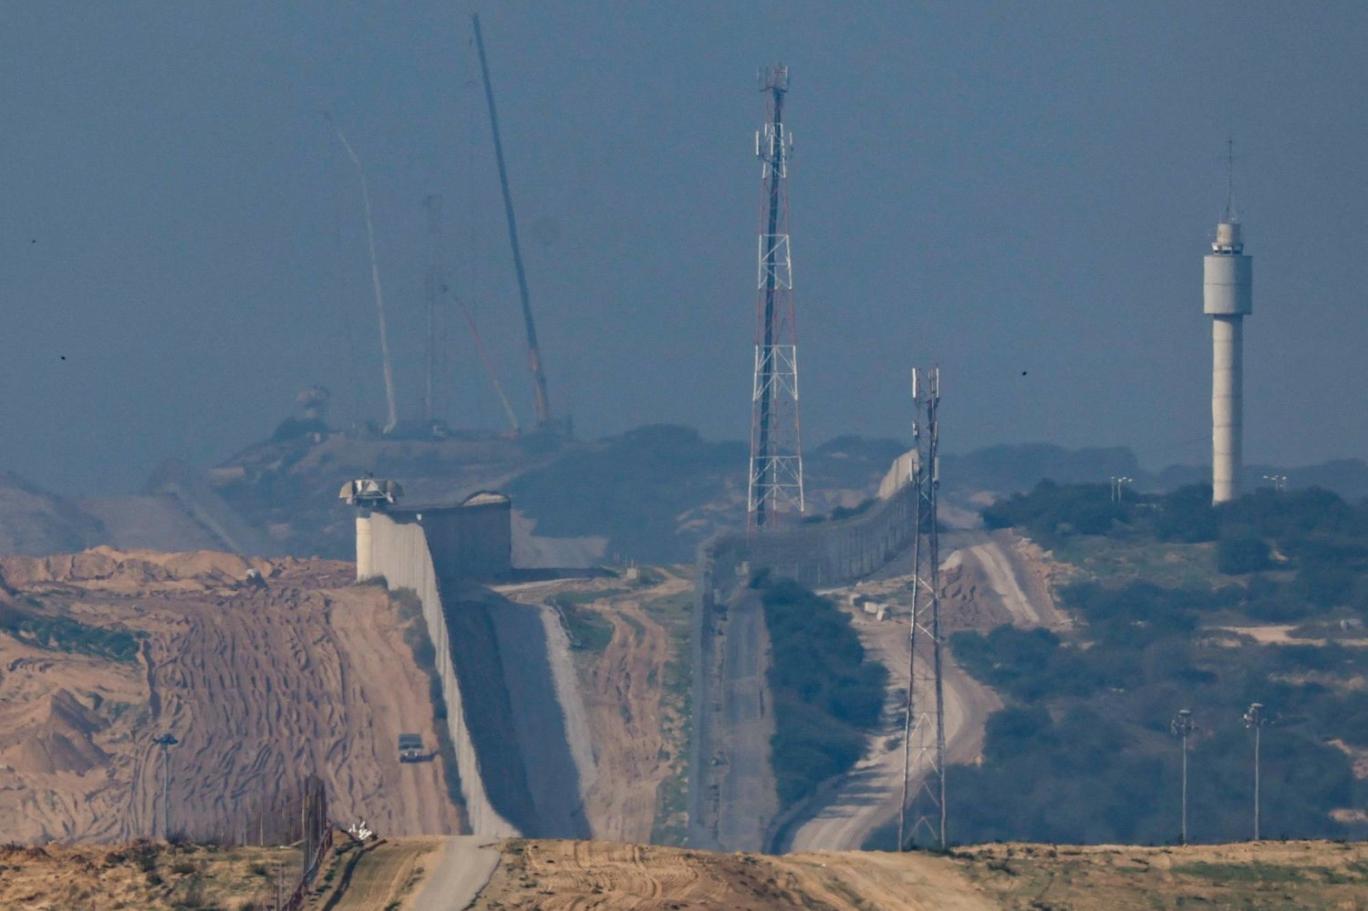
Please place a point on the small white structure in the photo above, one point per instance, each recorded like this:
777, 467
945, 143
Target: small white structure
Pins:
367, 495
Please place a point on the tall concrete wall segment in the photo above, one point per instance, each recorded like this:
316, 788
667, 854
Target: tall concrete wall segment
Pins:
400, 553
519, 772
473, 540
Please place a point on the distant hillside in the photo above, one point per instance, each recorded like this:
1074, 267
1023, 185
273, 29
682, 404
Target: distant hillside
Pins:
657, 492
1010, 468
1177, 604
33, 521
652, 493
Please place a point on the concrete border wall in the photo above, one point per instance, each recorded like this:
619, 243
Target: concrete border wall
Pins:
819, 554
401, 555
823, 554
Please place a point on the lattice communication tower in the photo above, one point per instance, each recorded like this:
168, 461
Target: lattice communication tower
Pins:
776, 459
922, 815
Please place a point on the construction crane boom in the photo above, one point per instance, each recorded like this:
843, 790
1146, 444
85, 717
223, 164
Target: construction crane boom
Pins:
542, 402
391, 408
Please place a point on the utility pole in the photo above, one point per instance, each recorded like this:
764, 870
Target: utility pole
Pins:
923, 724
1279, 481
775, 476
541, 401
165, 741
1182, 727
1254, 718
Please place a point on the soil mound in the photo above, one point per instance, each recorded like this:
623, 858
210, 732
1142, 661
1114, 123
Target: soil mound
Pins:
262, 683
115, 570
62, 742
33, 521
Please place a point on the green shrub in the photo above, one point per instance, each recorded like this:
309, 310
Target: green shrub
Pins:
1241, 551
587, 629
827, 694
294, 428
1052, 510
64, 634
1186, 514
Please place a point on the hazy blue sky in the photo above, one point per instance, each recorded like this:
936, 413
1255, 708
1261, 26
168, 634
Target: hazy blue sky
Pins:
1001, 187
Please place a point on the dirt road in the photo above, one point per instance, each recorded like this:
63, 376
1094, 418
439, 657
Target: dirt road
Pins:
385, 874
1001, 565
569, 876
851, 809
744, 776
867, 797
458, 874
418, 874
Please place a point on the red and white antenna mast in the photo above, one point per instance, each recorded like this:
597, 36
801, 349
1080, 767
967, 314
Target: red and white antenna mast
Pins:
776, 458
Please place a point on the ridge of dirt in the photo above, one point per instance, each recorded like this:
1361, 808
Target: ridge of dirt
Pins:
142, 876
106, 568
550, 876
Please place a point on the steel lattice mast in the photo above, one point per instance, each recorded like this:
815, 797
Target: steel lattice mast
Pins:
923, 808
775, 484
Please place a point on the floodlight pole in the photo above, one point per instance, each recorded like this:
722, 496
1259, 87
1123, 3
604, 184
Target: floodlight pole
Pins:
164, 741
1254, 718
1257, 735
1182, 726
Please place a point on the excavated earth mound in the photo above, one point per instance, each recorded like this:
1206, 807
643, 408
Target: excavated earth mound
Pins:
263, 680
549, 876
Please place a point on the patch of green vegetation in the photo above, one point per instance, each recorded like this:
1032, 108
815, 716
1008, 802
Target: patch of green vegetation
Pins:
675, 614
63, 634
419, 641
842, 512
587, 597
647, 576
827, 694
1244, 873
588, 630
1117, 558
1082, 751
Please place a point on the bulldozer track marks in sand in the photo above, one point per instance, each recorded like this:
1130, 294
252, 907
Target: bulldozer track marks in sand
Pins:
260, 687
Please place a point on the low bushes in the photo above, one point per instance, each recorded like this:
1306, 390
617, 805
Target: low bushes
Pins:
827, 694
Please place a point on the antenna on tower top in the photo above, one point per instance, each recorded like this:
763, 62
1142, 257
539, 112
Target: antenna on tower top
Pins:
1230, 181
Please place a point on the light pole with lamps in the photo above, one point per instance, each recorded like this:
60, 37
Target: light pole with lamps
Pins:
1254, 718
165, 741
1182, 727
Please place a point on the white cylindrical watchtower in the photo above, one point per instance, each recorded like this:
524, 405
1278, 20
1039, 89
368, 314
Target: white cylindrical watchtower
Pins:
367, 495
1228, 298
